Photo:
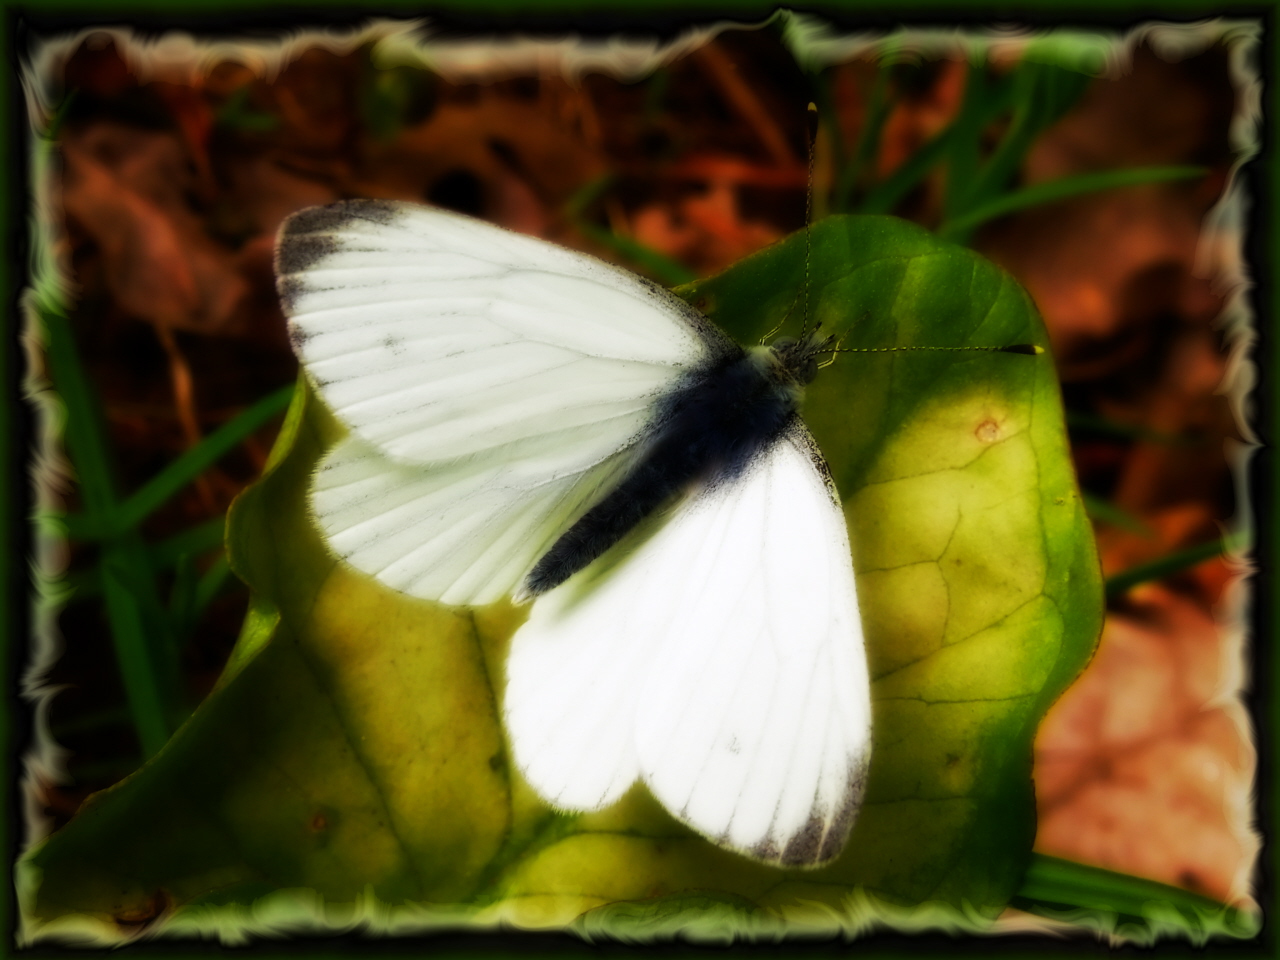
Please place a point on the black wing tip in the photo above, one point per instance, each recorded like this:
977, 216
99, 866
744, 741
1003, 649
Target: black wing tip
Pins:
298, 337
806, 847
296, 254
824, 836
308, 236
335, 216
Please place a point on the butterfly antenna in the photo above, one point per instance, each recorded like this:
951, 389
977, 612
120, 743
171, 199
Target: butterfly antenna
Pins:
1026, 349
812, 116
812, 121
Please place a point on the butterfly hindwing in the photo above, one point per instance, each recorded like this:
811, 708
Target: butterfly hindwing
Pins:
723, 660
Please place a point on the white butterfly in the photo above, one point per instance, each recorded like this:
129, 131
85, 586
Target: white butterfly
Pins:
529, 421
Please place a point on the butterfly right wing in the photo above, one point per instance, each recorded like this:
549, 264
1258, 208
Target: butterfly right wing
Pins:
495, 386
720, 660
754, 725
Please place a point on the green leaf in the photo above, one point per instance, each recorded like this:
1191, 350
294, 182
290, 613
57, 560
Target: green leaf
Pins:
354, 745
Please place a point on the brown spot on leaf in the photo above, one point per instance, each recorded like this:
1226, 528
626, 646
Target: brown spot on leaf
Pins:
988, 431
143, 914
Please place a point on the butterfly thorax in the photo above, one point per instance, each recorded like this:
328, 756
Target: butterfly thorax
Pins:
706, 431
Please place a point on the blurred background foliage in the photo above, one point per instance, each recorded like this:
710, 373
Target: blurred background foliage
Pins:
173, 369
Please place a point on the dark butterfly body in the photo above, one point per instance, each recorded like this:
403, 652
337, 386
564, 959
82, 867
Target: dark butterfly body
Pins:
705, 432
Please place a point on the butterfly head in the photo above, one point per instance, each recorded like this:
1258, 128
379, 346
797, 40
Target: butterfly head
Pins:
798, 360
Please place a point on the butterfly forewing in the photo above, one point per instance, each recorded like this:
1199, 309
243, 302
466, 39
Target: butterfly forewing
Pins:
525, 374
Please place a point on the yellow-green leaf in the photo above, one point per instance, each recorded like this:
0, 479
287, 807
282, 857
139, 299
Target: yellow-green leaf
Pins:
354, 747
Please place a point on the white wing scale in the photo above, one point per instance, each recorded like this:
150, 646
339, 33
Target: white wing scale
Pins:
522, 374
722, 663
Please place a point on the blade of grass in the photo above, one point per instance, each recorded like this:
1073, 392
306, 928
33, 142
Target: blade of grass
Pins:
129, 608
966, 140
1065, 187
665, 269
135, 574
662, 267
236, 114
655, 92
1126, 431
868, 145
91, 721
1121, 583
203, 455
210, 583
885, 196
181, 471
1041, 94
1108, 512
192, 593
196, 541
1053, 886
575, 207
182, 597
133, 653
82, 431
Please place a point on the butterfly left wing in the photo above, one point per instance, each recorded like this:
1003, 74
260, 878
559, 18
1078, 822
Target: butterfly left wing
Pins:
720, 660
495, 387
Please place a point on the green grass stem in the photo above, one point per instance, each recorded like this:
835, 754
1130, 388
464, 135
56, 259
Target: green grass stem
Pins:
128, 591
181, 471
1108, 512
666, 270
1066, 890
1061, 189
1122, 583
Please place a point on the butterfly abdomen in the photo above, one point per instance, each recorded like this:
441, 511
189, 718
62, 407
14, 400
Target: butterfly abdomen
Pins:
708, 430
